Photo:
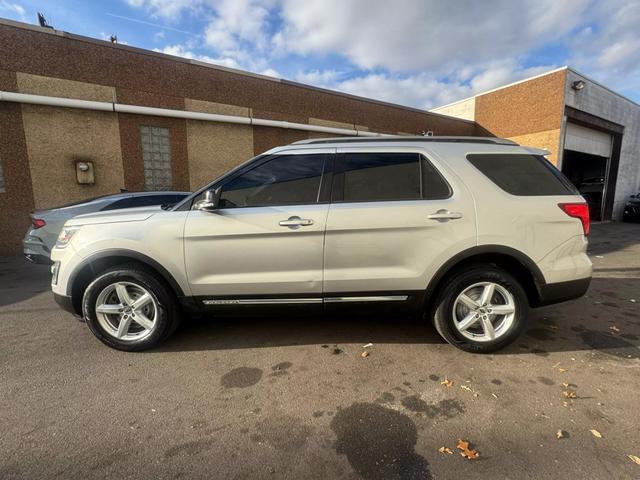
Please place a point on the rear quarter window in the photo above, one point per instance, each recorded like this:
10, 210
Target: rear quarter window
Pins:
522, 174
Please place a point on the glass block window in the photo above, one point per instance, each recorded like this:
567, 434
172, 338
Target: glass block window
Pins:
2, 188
156, 155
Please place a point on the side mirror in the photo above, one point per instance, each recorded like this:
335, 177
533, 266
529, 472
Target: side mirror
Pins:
210, 201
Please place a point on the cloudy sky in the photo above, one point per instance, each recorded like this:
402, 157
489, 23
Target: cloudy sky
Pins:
421, 53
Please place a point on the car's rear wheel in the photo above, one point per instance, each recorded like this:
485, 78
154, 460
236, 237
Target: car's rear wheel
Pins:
481, 309
128, 308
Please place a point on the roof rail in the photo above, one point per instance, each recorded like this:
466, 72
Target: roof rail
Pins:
400, 138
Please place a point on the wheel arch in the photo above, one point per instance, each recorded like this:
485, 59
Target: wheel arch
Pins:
97, 263
522, 267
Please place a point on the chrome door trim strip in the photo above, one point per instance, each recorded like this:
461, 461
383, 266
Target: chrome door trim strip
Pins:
280, 301
377, 298
260, 301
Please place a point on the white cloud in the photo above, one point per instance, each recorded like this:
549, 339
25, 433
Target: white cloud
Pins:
182, 51
13, 8
424, 35
611, 51
421, 53
422, 90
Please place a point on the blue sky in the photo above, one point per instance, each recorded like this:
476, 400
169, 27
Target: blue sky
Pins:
420, 53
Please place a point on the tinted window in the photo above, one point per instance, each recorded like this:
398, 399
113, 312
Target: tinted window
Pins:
123, 203
366, 177
380, 176
522, 174
434, 187
149, 200
284, 180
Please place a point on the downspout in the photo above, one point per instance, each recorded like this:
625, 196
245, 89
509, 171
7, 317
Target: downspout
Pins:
165, 112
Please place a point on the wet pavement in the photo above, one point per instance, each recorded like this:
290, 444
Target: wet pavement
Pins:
294, 398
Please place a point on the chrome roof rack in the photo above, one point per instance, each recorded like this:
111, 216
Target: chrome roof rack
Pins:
401, 138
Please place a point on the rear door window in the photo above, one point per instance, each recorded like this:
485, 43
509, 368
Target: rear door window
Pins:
522, 174
377, 177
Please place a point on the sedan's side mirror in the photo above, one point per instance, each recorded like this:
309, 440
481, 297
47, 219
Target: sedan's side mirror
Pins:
210, 201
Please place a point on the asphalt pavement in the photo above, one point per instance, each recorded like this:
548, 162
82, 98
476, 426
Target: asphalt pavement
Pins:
295, 398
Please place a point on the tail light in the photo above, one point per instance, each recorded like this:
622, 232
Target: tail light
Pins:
577, 210
38, 223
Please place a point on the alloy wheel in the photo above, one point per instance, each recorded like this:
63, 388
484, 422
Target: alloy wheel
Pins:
126, 311
484, 312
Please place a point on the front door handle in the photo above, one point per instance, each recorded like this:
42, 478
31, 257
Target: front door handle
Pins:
295, 221
444, 215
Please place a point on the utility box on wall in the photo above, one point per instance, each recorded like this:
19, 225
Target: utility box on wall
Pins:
85, 173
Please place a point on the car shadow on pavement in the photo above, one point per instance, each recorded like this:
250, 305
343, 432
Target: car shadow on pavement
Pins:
20, 280
605, 321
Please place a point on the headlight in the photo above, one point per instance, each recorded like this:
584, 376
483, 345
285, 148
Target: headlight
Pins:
65, 236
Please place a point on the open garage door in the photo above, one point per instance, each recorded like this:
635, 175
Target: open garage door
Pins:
585, 162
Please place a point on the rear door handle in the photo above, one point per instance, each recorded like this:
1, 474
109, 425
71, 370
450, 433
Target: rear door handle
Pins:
295, 222
444, 215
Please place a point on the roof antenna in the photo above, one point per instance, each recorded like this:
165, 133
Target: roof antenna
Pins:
43, 21
113, 39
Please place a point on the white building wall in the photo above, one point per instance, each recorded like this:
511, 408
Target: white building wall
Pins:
602, 102
465, 109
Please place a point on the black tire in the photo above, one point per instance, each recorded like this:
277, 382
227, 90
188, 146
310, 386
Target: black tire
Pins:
168, 312
443, 315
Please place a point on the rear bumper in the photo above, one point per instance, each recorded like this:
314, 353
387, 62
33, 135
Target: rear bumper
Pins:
551, 293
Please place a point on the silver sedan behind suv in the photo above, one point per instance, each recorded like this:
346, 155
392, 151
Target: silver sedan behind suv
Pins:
46, 224
467, 232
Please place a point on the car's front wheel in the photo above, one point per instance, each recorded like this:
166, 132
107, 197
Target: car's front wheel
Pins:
128, 308
481, 309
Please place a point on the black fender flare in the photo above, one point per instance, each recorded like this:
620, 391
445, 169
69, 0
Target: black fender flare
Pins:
133, 255
517, 255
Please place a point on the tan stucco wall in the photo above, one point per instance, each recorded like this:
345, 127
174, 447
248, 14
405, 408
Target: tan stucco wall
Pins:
214, 147
548, 140
56, 138
57, 87
192, 105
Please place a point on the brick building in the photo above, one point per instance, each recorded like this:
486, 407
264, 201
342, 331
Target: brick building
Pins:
67, 99
592, 132
200, 119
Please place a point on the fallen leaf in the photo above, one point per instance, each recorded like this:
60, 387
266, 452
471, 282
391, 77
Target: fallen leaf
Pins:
367, 345
445, 450
465, 387
364, 354
634, 459
596, 433
562, 370
570, 394
447, 383
632, 300
467, 452
560, 434
565, 384
494, 395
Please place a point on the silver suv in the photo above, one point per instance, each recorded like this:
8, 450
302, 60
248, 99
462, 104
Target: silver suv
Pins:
469, 232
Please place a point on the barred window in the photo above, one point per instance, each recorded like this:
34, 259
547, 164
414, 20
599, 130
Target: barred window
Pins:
156, 155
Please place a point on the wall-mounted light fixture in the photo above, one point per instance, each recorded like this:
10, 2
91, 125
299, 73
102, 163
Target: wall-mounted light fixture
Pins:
578, 85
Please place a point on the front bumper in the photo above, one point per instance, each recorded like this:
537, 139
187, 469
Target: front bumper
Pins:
64, 302
551, 293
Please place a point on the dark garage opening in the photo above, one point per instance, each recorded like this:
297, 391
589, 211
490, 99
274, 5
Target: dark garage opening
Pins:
588, 173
